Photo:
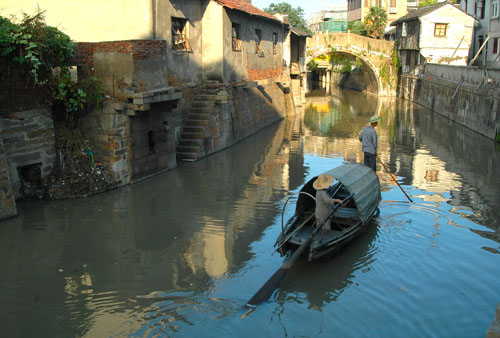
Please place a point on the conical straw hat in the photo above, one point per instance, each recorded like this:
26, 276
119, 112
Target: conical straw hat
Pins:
323, 182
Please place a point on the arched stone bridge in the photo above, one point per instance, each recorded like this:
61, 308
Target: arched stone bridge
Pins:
375, 55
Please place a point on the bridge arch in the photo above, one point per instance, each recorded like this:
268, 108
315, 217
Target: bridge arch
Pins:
374, 85
375, 55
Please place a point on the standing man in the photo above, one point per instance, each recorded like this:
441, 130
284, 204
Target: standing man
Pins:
369, 143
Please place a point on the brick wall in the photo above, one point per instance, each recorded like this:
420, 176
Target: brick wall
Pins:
141, 49
255, 74
18, 91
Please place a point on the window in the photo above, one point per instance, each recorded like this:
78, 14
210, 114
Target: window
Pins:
479, 9
236, 37
258, 43
403, 29
275, 43
494, 9
179, 34
495, 46
440, 29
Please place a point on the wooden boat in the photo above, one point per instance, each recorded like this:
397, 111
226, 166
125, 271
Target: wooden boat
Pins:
355, 183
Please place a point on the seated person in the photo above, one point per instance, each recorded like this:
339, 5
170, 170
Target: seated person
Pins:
324, 202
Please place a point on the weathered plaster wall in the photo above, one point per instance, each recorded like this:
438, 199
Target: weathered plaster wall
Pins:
29, 141
183, 66
7, 201
440, 49
238, 65
213, 42
125, 67
475, 105
268, 61
91, 20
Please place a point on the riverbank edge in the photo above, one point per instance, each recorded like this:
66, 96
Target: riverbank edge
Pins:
470, 97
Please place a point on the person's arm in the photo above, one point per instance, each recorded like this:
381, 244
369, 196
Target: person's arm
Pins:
328, 200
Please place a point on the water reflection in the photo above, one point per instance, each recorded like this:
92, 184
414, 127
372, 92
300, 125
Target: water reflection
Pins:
320, 283
178, 254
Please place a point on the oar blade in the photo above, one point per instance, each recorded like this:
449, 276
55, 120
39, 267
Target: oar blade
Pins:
268, 288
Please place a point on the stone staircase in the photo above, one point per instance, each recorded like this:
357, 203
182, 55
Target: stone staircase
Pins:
191, 145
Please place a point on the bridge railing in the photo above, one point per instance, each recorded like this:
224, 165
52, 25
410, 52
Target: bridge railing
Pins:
350, 41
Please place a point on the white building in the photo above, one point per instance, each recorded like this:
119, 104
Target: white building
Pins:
440, 34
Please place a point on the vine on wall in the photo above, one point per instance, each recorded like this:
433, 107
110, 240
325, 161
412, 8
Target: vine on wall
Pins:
389, 70
43, 53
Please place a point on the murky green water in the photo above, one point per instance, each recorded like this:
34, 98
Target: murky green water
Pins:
180, 254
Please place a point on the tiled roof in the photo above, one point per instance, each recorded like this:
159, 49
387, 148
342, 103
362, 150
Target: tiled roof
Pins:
245, 7
299, 32
415, 14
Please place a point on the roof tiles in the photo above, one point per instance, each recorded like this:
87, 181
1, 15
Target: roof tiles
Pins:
246, 7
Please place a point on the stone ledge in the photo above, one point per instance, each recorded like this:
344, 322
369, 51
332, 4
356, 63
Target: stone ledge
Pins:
155, 96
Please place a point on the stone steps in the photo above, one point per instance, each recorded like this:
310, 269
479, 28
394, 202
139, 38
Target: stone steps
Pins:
198, 116
190, 145
190, 142
203, 104
196, 123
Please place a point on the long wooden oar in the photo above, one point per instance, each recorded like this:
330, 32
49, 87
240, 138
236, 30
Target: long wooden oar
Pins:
383, 165
272, 283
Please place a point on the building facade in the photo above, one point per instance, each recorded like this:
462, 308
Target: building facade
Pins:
434, 34
358, 9
183, 78
330, 20
485, 49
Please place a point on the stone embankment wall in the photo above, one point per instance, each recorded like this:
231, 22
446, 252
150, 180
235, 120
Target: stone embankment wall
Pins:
7, 201
222, 114
469, 96
131, 134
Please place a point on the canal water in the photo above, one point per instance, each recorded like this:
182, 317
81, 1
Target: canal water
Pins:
179, 254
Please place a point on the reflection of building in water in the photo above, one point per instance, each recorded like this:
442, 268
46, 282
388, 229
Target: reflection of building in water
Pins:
341, 124
211, 249
430, 174
449, 158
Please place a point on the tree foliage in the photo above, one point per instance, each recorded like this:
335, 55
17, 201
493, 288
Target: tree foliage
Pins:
43, 53
356, 27
295, 15
34, 45
425, 3
375, 22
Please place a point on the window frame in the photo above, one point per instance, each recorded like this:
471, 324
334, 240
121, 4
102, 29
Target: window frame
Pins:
275, 43
495, 49
483, 5
258, 42
235, 37
404, 31
439, 30
494, 9
180, 34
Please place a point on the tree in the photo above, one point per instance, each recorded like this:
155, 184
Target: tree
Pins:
295, 15
375, 22
356, 27
425, 3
